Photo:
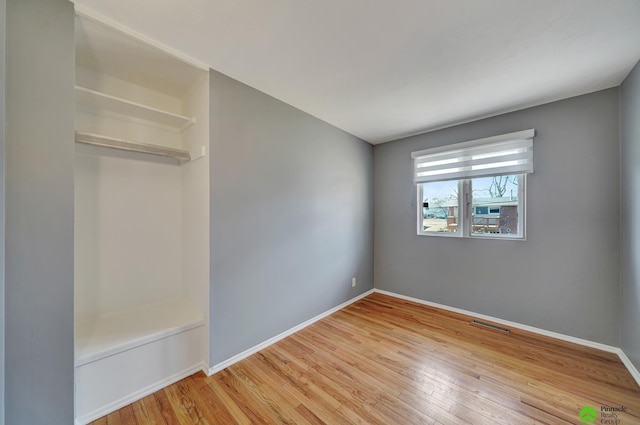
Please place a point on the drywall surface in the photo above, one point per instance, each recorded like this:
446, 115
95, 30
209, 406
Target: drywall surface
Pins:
128, 223
291, 217
39, 212
195, 206
565, 276
630, 228
3, 8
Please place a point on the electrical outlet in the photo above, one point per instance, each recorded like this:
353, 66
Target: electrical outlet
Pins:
353, 282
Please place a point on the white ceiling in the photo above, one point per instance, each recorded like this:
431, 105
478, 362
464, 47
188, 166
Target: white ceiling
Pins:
384, 69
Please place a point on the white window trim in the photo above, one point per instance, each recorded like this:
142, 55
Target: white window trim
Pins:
522, 206
465, 217
419, 222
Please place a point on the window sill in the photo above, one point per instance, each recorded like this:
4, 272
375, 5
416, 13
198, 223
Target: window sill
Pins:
472, 236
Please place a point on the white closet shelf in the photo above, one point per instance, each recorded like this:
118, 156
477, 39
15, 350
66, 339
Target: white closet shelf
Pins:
127, 145
116, 332
98, 100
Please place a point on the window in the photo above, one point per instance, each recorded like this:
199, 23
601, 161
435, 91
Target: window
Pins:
474, 189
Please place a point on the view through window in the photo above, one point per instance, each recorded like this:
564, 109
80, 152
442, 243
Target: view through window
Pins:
495, 205
440, 207
483, 207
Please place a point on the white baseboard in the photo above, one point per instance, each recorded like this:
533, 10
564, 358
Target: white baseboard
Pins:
630, 366
112, 407
585, 342
507, 323
226, 363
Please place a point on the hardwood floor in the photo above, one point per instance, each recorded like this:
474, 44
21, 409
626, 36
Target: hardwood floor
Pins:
383, 360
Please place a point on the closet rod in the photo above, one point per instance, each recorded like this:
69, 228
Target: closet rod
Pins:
113, 143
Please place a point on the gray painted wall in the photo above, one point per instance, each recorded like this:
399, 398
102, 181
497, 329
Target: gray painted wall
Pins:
630, 182
291, 217
3, 7
39, 213
565, 276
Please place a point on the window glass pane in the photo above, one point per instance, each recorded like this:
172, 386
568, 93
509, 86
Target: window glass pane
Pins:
440, 207
495, 205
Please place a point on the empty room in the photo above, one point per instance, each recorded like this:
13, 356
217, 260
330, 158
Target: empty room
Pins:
319, 212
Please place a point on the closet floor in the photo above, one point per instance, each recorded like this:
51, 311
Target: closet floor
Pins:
115, 332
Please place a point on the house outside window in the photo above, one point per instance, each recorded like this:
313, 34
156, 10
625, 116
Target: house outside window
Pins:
474, 189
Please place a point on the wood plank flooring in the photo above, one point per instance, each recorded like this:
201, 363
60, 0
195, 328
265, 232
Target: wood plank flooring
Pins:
383, 360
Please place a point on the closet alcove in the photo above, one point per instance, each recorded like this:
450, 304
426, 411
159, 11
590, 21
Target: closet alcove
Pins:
141, 217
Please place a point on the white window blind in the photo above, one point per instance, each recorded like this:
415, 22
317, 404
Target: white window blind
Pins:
492, 156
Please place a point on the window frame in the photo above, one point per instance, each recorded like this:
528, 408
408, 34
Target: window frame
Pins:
465, 216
